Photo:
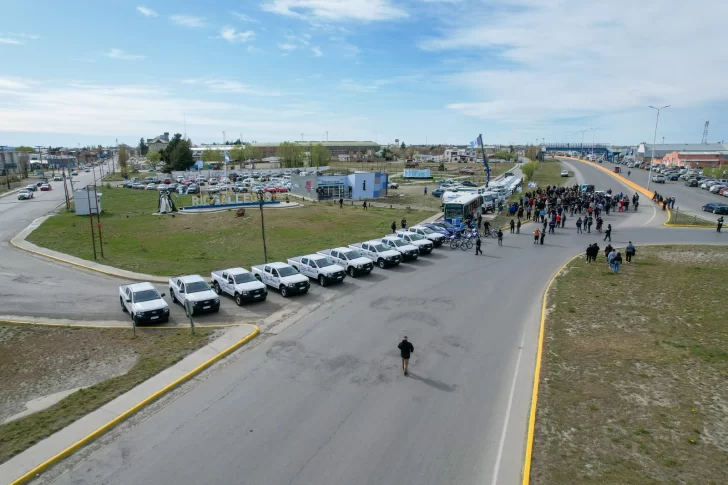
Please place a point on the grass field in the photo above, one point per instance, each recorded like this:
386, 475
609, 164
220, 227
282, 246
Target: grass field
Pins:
137, 240
36, 361
633, 385
549, 173
690, 219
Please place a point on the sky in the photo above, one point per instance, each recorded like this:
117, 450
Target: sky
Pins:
420, 71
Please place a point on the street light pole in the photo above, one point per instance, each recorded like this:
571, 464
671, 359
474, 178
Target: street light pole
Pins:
654, 140
262, 226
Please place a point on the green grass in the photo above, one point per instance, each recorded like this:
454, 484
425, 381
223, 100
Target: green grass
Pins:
549, 173
137, 240
156, 350
632, 386
690, 219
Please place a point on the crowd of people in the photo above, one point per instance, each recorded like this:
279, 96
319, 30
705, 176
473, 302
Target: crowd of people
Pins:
553, 206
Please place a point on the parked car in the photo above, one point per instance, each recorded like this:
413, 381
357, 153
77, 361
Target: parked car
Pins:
143, 303
283, 277
393, 185
408, 251
658, 178
239, 283
673, 177
74, 173
468, 183
438, 192
424, 245
692, 183
195, 290
467, 171
437, 238
319, 267
351, 260
57, 178
716, 208
150, 187
193, 189
25, 194
715, 188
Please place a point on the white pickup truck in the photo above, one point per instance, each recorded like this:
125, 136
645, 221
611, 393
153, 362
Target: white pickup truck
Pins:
238, 283
144, 303
351, 260
195, 290
378, 252
407, 250
319, 267
283, 277
424, 245
436, 238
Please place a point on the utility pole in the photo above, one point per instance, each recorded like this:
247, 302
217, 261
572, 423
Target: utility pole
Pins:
5, 167
262, 227
654, 140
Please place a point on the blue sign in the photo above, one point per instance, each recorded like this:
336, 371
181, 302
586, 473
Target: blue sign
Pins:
417, 173
331, 180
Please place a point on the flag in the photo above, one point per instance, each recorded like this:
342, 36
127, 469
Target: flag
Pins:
479, 141
227, 159
472, 144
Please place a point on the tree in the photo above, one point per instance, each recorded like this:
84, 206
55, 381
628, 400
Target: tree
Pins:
154, 157
532, 152
143, 148
320, 156
237, 154
292, 155
212, 156
528, 169
24, 160
403, 146
181, 156
253, 153
123, 158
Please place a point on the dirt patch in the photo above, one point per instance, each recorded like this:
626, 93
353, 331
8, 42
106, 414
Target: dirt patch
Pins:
633, 384
39, 361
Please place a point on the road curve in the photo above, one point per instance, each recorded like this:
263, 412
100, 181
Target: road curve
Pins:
323, 400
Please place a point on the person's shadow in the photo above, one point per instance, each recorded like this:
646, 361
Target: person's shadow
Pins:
439, 385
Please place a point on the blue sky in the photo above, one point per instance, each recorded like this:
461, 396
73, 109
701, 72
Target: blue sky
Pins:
440, 71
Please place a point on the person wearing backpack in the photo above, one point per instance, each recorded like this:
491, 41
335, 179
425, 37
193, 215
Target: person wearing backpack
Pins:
630, 251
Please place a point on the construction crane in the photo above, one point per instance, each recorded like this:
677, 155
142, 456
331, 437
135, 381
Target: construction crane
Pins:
705, 133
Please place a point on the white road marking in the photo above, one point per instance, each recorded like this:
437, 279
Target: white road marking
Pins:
654, 214
508, 416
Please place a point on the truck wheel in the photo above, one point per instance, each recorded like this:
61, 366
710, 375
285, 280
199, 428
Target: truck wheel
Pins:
322, 280
382, 264
284, 291
123, 308
352, 273
239, 299
216, 287
174, 297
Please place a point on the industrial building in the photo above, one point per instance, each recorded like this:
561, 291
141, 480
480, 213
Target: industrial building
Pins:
355, 186
644, 151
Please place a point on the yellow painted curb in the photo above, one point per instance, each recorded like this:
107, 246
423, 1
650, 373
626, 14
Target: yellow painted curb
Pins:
123, 327
692, 226
79, 265
137, 407
536, 377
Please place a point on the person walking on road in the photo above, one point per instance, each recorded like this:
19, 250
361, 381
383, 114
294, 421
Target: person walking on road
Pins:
477, 246
405, 350
720, 223
608, 233
500, 237
589, 223
518, 227
578, 226
513, 226
365, 205
629, 172
543, 237
630, 251
536, 235
425, 190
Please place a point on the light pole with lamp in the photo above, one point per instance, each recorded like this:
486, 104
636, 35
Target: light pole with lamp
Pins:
593, 130
654, 140
261, 196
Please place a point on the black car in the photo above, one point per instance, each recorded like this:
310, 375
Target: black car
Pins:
127, 185
673, 176
468, 183
692, 183
716, 208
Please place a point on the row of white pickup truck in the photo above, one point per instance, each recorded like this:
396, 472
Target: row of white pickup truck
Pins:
146, 305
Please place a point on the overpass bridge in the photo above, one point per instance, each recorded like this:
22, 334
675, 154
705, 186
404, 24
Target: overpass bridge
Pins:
599, 149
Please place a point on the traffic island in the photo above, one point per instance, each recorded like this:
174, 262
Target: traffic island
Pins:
632, 384
680, 218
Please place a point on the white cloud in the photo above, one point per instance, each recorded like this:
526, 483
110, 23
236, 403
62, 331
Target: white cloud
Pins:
120, 54
147, 12
7, 40
11, 84
603, 61
287, 47
188, 21
317, 52
231, 86
234, 36
356, 87
363, 10
25, 36
243, 17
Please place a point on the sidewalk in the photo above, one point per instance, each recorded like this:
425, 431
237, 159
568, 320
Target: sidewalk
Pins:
20, 243
53, 449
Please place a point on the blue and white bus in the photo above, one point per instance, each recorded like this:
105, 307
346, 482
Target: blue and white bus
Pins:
465, 206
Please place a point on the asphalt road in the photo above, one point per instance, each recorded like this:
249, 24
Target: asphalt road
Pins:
691, 199
324, 399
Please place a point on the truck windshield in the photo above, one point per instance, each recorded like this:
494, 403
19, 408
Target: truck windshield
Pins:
288, 271
324, 262
197, 286
146, 295
378, 247
352, 255
415, 237
398, 242
244, 278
